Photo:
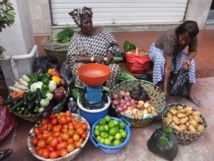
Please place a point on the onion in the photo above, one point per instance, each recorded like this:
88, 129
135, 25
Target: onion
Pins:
122, 101
122, 93
132, 101
116, 102
115, 96
126, 98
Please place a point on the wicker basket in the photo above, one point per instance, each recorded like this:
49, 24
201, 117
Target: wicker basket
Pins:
60, 55
158, 100
184, 137
70, 155
35, 118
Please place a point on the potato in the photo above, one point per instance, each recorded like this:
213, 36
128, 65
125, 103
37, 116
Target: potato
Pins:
173, 111
200, 127
175, 120
188, 108
191, 128
169, 115
139, 105
175, 126
182, 111
184, 120
182, 127
181, 115
196, 113
168, 120
188, 113
197, 118
193, 123
179, 108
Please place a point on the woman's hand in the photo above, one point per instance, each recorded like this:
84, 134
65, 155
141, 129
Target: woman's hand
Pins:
110, 56
186, 65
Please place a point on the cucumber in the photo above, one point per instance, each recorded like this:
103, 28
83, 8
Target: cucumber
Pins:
17, 104
33, 96
25, 98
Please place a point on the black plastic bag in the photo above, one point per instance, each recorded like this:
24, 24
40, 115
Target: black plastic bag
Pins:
163, 143
97, 105
179, 83
43, 63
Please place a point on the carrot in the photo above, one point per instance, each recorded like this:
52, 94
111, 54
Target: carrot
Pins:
17, 94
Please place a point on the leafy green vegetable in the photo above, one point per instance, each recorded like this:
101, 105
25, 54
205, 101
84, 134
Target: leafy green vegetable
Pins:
76, 92
65, 35
125, 75
163, 141
128, 46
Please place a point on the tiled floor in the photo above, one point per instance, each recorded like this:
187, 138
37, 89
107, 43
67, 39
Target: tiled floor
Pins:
136, 149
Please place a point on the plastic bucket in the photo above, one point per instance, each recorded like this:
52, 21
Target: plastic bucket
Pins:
111, 149
93, 115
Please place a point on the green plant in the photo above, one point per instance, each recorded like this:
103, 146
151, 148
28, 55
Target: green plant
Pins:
65, 35
7, 18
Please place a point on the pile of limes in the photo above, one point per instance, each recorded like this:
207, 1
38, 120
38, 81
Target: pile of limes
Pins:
110, 131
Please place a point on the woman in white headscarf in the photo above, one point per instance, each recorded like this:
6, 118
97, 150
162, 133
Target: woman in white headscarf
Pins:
89, 45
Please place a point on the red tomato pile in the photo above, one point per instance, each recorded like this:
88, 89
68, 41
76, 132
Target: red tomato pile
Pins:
58, 135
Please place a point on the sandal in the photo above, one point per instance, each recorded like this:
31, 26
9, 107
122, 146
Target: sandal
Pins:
195, 101
5, 153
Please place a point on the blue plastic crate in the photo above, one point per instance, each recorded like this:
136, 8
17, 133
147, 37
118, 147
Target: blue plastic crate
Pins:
94, 94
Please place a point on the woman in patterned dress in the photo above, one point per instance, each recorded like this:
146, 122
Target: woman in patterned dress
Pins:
89, 45
169, 48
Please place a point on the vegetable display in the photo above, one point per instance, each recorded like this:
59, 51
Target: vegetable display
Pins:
128, 46
185, 119
33, 92
124, 103
58, 135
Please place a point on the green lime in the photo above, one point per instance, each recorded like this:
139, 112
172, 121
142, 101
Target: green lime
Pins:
101, 122
117, 136
113, 131
111, 137
116, 142
102, 140
96, 132
111, 124
123, 133
107, 142
116, 122
106, 135
122, 125
97, 127
101, 128
98, 138
106, 128
107, 118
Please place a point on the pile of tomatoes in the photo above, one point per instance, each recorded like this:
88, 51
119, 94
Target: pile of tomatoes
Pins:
58, 135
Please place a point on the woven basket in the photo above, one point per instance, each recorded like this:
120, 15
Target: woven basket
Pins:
35, 118
158, 100
70, 155
184, 137
60, 55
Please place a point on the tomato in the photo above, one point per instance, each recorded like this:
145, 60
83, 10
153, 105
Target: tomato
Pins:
56, 134
48, 140
54, 142
62, 120
84, 135
77, 125
36, 131
70, 140
65, 136
42, 143
68, 118
65, 126
50, 148
45, 135
37, 149
79, 131
84, 126
53, 116
70, 147
39, 136
55, 128
34, 141
68, 113
75, 137
59, 138
63, 152
61, 145
77, 144
39, 152
70, 125
45, 153
81, 140
49, 127
54, 121
54, 154
45, 121
71, 132
64, 130
43, 128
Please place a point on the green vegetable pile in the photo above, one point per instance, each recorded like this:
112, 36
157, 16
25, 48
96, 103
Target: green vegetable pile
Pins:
125, 75
163, 140
128, 46
65, 35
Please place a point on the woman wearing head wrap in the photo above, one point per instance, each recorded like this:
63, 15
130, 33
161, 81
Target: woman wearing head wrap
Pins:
168, 55
89, 45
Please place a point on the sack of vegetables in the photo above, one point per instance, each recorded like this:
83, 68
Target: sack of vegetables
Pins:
137, 61
138, 101
36, 95
163, 143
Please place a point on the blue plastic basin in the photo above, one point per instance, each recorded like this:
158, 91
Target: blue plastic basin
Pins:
111, 149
